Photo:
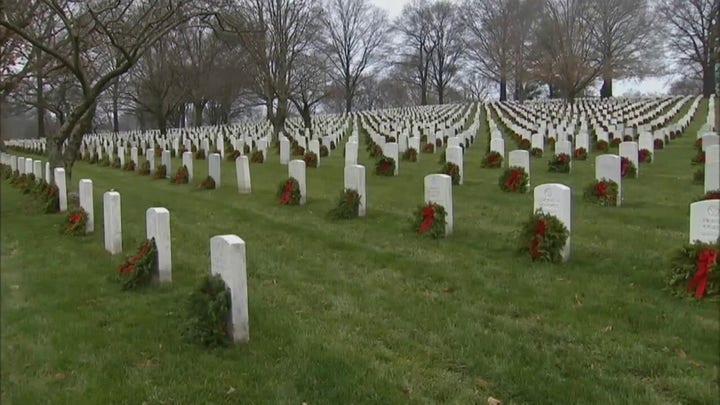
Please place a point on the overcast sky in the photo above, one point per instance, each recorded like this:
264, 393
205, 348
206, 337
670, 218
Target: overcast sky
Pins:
652, 86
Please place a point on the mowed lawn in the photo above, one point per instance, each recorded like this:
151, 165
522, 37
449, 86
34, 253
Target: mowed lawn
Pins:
365, 311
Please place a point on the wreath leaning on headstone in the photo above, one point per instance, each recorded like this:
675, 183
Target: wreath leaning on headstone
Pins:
289, 192
514, 179
208, 314
543, 237
695, 270
138, 270
602, 192
430, 219
347, 206
74, 223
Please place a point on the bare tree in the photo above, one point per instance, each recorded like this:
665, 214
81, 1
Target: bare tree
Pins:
446, 35
415, 47
491, 26
312, 85
356, 30
274, 33
689, 25
625, 39
95, 42
564, 52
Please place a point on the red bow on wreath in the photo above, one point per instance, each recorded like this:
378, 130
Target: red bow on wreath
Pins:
540, 229
512, 181
75, 218
287, 193
428, 214
705, 260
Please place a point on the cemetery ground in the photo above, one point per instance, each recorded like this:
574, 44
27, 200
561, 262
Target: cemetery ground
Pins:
365, 311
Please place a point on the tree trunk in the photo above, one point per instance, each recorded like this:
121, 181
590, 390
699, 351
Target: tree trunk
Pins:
518, 90
348, 101
441, 94
162, 123
115, 99
40, 107
423, 91
503, 89
199, 107
305, 113
606, 91
708, 81
551, 90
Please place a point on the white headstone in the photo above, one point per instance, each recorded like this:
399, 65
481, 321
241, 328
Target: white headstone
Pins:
710, 139
315, 148
645, 141
296, 170
187, 161
354, 177
150, 157
712, 168
166, 160
705, 221
538, 141
351, 153
37, 170
61, 183
284, 150
564, 147
454, 154
112, 222
214, 168
227, 258
14, 163
242, 171
391, 150
556, 199
608, 167
157, 222
630, 151
21, 165
438, 189
520, 158
134, 156
85, 189
498, 145
28, 165
582, 140
48, 173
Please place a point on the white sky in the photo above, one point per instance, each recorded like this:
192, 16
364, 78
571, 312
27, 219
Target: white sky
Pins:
650, 86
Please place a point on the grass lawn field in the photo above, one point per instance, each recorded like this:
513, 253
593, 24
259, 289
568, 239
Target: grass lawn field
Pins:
365, 311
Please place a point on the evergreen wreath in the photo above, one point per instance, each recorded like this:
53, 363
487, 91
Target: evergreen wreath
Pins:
695, 270
138, 270
289, 192
710, 195
430, 219
129, 166
536, 152
29, 184
524, 144
200, 154
105, 161
144, 168
627, 167
452, 170
602, 192
514, 179
580, 153
311, 159
428, 148
658, 144
232, 156
182, 176
298, 150
559, 163
257, 157
207, 184
602, 145
51, 199
324, 151
375, 150
644, 156
75, 222
208, 314
246, 149
385, 166
347, 206
698, 144
492, 160
543, 237
116, 163
699, 158
699, 176
332, 145
160, 172
615, 142
410, 155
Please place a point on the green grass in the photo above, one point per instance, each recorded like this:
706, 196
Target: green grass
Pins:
365, 311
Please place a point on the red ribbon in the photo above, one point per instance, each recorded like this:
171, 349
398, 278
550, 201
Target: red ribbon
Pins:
540, 230
705, 260
287, 193
428, 214
601, 189
512, 181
